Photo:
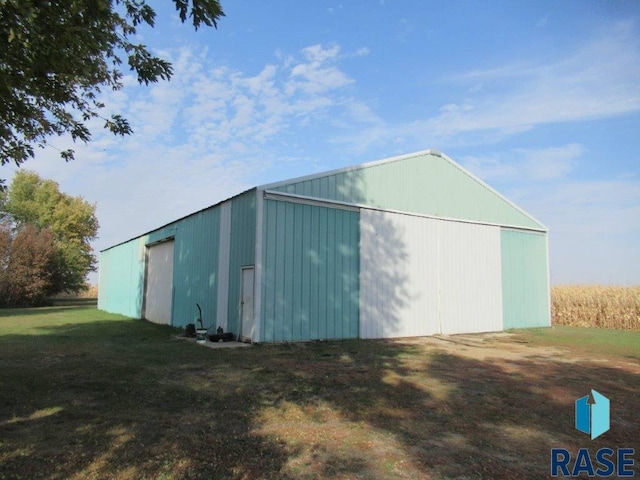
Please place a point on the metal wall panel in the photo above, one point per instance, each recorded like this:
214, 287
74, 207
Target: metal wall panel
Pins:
195, 272
525, 280
422, 276
309, 273
242, 251
196, 264
398, 275
223, 266
426, 183
121, 278
159, 283
195, 276
470, 278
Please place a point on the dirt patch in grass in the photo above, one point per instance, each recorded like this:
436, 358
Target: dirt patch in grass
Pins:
107, 397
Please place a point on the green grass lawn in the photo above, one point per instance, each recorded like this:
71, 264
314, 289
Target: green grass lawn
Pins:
89, 395
596, 341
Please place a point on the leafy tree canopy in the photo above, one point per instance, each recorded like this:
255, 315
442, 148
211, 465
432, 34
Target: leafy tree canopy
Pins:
29, 265
58, 55
31, 200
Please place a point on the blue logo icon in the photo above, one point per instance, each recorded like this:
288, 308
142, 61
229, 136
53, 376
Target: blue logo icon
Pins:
592, 414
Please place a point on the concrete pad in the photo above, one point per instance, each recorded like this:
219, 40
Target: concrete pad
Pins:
215, 344
224, 344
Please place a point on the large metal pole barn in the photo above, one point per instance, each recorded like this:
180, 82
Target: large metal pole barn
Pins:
407, 246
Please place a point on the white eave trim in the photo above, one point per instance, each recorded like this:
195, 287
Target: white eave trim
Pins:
351, 168
322, 202
491, 189
399, 158
315, 201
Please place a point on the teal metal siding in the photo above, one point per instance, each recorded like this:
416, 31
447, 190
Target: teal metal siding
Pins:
242, 252
426, 183
309, 265
195, 269
121, 278
310, 273
525, 285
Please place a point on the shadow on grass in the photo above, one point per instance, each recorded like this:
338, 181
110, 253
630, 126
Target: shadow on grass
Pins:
458, 417
124, 399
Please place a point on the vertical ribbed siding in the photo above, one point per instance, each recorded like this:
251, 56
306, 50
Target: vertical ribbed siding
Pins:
195, 271
421, 276
195, 274
470, 278
121, 278
223, 266
310, 273
426, 183
525, 283
242, 251
398, 275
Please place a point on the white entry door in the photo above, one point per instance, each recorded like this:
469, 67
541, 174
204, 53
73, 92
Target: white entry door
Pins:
247, 315
159, 287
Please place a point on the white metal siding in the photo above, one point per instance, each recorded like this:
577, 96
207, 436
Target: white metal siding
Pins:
247, 314
470, 278
223, 265
422, 276
398, 275
159, 291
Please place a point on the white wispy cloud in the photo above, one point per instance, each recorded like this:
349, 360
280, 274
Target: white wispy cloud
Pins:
599, 79
525, 165
209, 133
543, 21
215, 130
594, 224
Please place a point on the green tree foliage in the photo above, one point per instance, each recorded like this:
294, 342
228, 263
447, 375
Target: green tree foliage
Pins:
29, 265
56, 56
33, 201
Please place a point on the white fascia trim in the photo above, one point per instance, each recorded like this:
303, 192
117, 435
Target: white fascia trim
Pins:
349, 169
548, 279
315, 201
168, 238
523, 229
257, 273
398, 158
224, 254
269, 186
322, 202
491, 189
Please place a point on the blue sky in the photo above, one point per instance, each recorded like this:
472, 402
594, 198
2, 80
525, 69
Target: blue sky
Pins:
539, 99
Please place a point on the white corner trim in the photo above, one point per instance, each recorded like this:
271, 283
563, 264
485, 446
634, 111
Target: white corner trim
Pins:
224, 253
257, 282
315, 201
351, 168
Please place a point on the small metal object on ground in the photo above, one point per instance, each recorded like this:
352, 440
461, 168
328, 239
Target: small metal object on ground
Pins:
201, 335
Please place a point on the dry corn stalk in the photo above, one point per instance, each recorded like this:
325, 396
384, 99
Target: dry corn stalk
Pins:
596, 306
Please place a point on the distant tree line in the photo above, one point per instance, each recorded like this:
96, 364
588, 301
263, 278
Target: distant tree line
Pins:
45, 241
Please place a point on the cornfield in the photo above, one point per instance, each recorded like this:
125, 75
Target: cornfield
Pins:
596, 306
90, 292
